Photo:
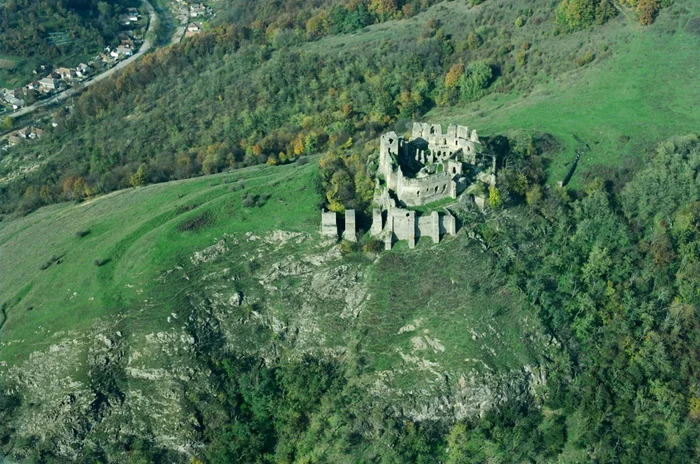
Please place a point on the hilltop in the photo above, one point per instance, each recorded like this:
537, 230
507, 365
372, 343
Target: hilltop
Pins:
184, 267
167, 294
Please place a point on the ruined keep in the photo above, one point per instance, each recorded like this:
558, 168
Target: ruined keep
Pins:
428, 167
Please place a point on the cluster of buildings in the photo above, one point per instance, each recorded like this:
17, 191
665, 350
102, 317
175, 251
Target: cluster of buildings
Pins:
131, 16
60, 78
54, 81
128, 44
418, 172
24, 134
191, 15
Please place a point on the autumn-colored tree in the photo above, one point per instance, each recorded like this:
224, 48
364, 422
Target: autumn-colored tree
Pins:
473, 41
647, 11
318, 25
74, 188
453, 75
576, 14
384, 9
46, 194
298, 144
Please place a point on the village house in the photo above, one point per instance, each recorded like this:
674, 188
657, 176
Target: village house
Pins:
12, 98
129, 18
83, 70
193, 29
26, 133
66, 74
48, 84
128, 42
198, 9
121, 52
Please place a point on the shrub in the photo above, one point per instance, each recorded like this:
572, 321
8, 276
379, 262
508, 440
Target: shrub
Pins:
373, 246
48, 263
98, 262
519, 21
473, 41
240, 185
347, 248
495, 197
585, 59
196, 223
249, 200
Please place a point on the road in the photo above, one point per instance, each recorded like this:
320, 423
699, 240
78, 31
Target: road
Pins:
145, 47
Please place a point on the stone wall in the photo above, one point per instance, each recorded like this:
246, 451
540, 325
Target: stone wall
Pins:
404, 224
417, 192
329, 224
350, 233
444, 146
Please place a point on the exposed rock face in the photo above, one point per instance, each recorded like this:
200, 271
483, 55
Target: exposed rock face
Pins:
265, 296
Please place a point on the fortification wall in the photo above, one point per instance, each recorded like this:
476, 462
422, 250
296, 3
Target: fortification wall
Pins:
329, 224
350, 233
404, 224
417, 192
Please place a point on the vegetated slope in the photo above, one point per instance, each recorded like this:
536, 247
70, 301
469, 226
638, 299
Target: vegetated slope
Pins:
637, 89
126, 303
239, 96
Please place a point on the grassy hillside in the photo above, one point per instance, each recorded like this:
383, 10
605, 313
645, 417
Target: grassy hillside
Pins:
138, 235
435, 326
639, 89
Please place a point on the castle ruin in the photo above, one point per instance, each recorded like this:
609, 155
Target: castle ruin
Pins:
428, 167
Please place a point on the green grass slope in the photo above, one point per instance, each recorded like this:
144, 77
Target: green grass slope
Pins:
135, 232
641, 88
415, 315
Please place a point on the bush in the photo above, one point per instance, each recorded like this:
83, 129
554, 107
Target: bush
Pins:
48, 263
249, 200
240, 185
585, 59
99, 262
347, 248
373, 246
196, 223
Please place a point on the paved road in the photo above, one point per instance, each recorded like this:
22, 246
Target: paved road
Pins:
147, 45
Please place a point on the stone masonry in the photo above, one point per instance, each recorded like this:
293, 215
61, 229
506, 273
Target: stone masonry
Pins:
428, 167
